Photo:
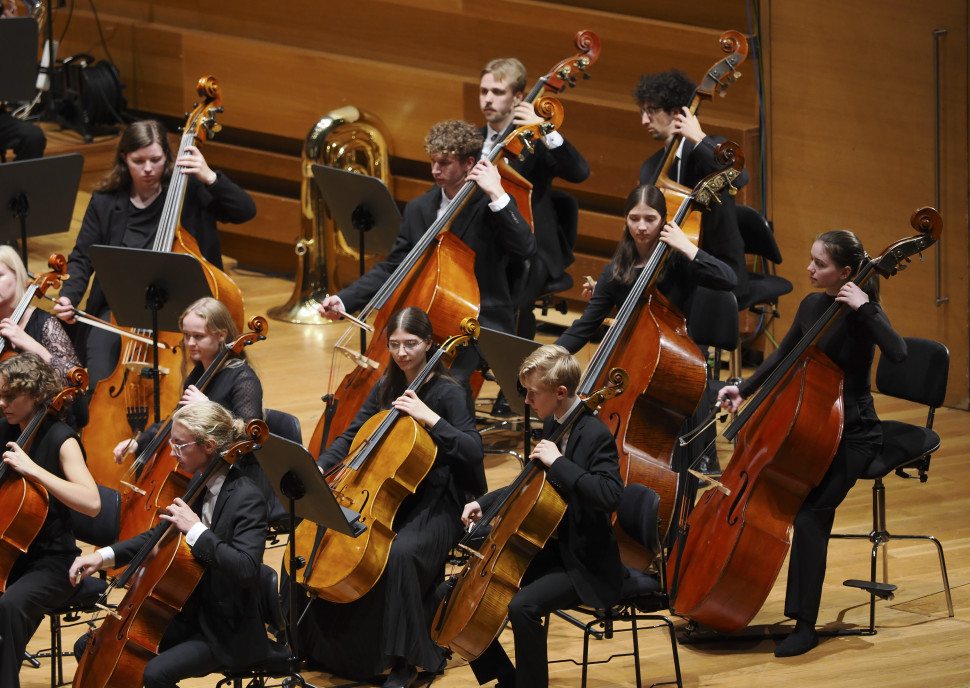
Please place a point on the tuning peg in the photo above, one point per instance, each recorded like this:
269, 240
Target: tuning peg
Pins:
186, 115
195, 105
736, 75
921, 258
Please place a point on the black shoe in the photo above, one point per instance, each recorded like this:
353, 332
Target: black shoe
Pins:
401, 677
800, 641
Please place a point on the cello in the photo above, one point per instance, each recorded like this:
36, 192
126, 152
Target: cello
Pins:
434, 276
389, 457
736, 538
648, 339
721, 75
475, 606
153, 479
122, 401
160, 579
25, 502
37, 287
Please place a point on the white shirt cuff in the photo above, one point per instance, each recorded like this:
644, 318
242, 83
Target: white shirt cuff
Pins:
195, 532
500, 203
107, 557
553, 140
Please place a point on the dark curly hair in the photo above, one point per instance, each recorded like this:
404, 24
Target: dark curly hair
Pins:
454, 137
668, 90
29, 374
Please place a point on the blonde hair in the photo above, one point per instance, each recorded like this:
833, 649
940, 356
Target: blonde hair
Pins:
10, 258
553, 366
207, 420
509, 70
216, 317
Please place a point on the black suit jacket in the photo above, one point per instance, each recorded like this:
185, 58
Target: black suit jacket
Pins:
588, 476
498, 238
720, 235
231, 551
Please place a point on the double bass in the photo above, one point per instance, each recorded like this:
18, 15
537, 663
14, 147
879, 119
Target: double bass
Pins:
160, 579
738, 535
153, 479
475, 606
122, 402
649, 340
389, 457
26, 502
721, 75
437, 276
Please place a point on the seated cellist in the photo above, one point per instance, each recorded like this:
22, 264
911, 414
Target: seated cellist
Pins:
389, 626
581, 562
53, 459
220, 627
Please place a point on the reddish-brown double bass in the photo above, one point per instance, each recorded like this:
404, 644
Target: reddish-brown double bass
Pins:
122, 402
389, 457
160, 580
787, 435
24, 501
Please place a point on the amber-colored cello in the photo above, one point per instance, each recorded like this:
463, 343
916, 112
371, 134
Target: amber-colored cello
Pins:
721, 75
787, 434
122, 402
37, 287
153, 479
437, 276
24, 501
473, 610
389, 457
649, 340
160, 580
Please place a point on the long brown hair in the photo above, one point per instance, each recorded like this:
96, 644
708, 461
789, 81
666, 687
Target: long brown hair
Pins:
137, 135
625, 257
414, 321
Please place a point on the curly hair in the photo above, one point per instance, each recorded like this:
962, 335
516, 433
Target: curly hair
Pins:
668, 90
136, 136
509, 70
29, 374
454, 137
553, 366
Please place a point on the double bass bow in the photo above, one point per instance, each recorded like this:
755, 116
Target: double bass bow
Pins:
160, 579
736, 538
475, 606
122, 402
389, 457
437, 276
648, 339
26, 502
153, 480
721, 75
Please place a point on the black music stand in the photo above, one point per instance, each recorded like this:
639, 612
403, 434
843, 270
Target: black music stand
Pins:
504, 353
18, 55
298, 483
363, 203
44, 189
148, 290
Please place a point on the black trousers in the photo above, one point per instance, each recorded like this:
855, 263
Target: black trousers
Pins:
27, 140
184, 654
813, 525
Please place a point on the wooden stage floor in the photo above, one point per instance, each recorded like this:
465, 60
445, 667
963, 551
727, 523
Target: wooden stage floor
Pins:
916, 644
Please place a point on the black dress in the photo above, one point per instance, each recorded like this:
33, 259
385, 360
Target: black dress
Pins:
359, 639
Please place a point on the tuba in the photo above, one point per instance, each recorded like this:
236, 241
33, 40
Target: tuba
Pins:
351, 140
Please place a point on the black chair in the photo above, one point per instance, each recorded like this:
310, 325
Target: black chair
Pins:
567, 214
641, 595
921, 378
713, 324
279, 664
101, 530
764, 286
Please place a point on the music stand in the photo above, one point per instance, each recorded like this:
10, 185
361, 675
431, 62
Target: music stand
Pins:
44, 189
18, 55
363, 203
504, 353
298, 483
135, 281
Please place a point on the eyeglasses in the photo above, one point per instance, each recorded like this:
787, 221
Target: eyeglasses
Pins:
409, 345
650, 110
177, 448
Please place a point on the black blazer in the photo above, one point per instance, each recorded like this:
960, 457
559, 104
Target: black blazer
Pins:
497, 238
588, 476
231, 551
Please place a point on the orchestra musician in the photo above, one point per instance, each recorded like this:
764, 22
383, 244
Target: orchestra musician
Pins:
501, 93
663, 99
581, 562
53, 459
125, 210
490, 224
389, 627
850, 343
220, 627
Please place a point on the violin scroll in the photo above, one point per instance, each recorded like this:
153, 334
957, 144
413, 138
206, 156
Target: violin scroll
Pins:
725, 72
564, 74
201, 121
77, 382
928, 221
259, 325
547, 107
256, 433
618, 381
930, 225
709, 189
